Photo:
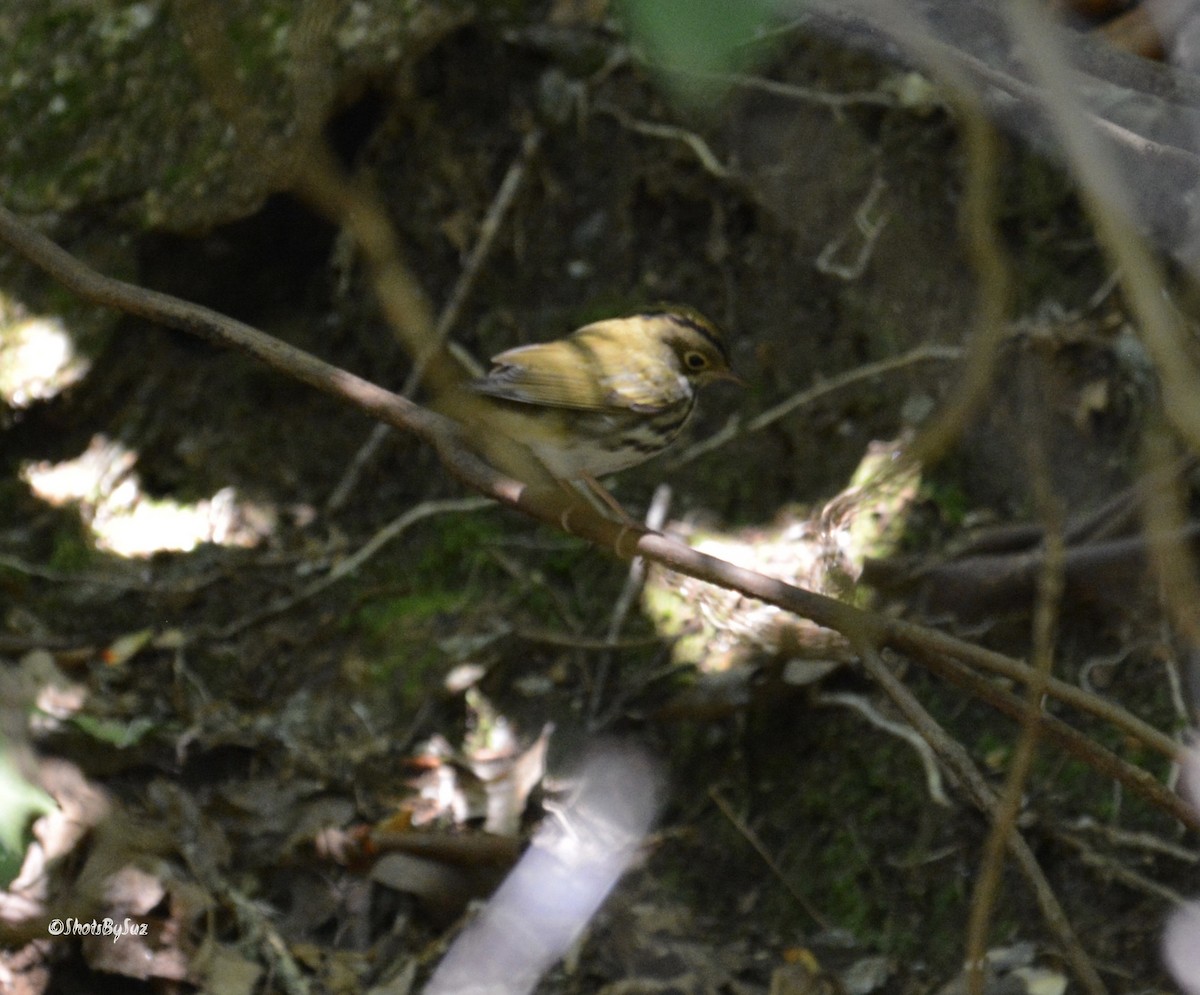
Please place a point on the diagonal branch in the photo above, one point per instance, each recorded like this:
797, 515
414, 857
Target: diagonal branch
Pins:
972, 782
557, 509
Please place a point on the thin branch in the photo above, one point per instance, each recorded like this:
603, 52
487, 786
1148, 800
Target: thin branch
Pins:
585, 644
792, 91
488, 230
1107, 197
1051, 582
671, 132
448, 316
751, 837
928, 644
656, 516
960, 765
1166, 512
1083, 747
343, 568
969, 585
978, 226
1146, 842
874, 25
358, 208
553, 507
1111, 869
437, 430
734, 429
857, 703
867, 225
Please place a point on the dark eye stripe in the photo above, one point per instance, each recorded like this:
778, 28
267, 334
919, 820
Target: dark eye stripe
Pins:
687, 321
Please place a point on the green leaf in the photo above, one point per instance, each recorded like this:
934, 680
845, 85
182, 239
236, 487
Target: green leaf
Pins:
20, 803
119, 733
697, 37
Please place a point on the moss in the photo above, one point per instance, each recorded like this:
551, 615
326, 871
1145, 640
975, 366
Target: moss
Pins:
458, 545
401, 638
107, 106
379, 618
72, 551
402, 628
843, 867
950, 500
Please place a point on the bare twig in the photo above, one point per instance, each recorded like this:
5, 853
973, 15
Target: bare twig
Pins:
448, 316
656, 515
1001, 565
734, 429
1165, 511
1112, 869
125, 583
359, 209
868, 223
551, 507
1004, 816
1170, 662
1107, 199
224, 331
857, 703
971, 584
792, 91
343, 568
875, 24
488, 230
671, 132
453, 307
964, 771
977, 221
1135, 839
751, 837
363, 455
1067, 737
586, 644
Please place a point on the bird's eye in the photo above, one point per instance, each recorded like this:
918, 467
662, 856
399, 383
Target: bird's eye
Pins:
695, 360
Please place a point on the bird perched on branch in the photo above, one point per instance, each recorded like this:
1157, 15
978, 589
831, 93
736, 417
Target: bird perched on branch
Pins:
606, 397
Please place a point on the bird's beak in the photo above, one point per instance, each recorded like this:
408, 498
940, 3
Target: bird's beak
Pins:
733, 377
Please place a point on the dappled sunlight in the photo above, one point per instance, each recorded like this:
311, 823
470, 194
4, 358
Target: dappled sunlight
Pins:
38, 361
821, 549
103, 483
37, 357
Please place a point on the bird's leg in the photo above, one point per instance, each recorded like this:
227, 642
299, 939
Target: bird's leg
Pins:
598, 490
577, 494
593, 494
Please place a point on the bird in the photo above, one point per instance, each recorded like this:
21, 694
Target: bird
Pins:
608, 396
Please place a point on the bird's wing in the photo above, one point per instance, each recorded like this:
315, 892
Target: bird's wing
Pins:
563, 374
546, 374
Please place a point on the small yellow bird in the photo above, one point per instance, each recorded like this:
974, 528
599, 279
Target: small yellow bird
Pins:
608, 396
